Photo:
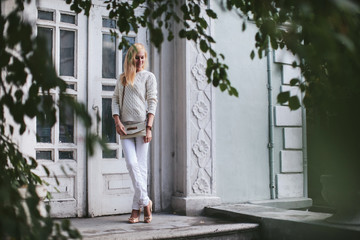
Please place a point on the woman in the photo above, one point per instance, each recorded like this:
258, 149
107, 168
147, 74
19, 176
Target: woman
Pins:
133, 107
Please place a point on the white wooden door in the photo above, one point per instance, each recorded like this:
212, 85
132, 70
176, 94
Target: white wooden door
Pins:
110, 189
62, 146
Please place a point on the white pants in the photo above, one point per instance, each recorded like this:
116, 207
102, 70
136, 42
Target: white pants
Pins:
135, 151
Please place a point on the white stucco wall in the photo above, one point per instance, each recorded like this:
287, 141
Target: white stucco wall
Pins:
242, 167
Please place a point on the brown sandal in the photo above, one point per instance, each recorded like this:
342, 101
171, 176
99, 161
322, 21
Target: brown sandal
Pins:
134, 219
147, 219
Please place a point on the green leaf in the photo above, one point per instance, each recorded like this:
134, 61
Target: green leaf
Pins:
210, 39
212, 52
211, 13
46, 170
294, 81
196, 10
302, 87
252, 54
223, 87
170, 36
5, 58
203, 23
156, 37
294, 103
234, 91
283, 97
57, 181
182, 33
203, 46
18, 94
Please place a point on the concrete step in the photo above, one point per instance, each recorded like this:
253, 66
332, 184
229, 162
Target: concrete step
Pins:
279, 223
165, 226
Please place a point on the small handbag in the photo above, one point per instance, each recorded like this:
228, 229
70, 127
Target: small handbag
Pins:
132, 128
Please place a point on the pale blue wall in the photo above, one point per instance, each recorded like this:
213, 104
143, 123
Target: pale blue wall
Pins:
242, 166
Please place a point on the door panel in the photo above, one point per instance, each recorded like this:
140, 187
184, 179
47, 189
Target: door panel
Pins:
61, 148
86, 56
110, 187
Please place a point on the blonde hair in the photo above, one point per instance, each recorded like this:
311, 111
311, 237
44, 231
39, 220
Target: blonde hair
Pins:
128, 76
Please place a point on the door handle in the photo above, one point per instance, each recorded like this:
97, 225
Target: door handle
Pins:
96, 109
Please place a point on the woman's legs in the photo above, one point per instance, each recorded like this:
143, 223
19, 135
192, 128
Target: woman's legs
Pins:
135, 151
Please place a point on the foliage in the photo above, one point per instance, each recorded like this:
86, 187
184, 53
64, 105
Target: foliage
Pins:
323, 33
159, 17
27, 75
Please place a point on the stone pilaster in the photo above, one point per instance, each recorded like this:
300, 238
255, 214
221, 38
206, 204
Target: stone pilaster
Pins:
195, 146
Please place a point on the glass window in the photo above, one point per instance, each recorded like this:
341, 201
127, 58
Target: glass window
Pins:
66, 126
67, 18
109, 154
67, 53
43, 125
47, 34
109, 56
108, 23
45, 15
43, 155
131, 41
66, 154
109, 88
107, 122
71, 86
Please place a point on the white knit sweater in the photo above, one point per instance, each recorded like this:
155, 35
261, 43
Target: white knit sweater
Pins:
139, 99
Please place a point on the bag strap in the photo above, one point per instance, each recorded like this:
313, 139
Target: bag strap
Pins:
122, 100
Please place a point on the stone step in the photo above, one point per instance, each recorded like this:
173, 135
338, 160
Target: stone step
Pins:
277, 223
165, 226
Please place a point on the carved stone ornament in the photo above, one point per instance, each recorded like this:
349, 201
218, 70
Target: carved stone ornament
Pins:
201, 186
198, 70
201, 149
200, 110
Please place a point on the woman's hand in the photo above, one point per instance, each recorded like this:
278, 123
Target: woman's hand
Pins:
120, 129
148, 136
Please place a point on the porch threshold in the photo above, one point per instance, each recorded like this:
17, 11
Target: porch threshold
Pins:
277, 223
164, 226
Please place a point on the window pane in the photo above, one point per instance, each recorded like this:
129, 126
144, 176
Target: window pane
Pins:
66, 126
71, 86
43, 126
43, 155
131, 41
109, 56
66, 154
44, 15
67, 18
108, 88
109, 154
67, 53
108, 23
107, 122
47, 34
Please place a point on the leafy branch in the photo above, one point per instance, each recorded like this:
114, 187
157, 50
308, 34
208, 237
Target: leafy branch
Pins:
159, 16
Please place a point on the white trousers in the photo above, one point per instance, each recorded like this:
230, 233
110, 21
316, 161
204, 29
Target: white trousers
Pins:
135, 151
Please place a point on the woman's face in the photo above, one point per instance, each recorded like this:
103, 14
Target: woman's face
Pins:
140, 60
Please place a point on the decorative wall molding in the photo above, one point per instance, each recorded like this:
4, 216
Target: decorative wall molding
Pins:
194, 167
292, 179
201, 118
